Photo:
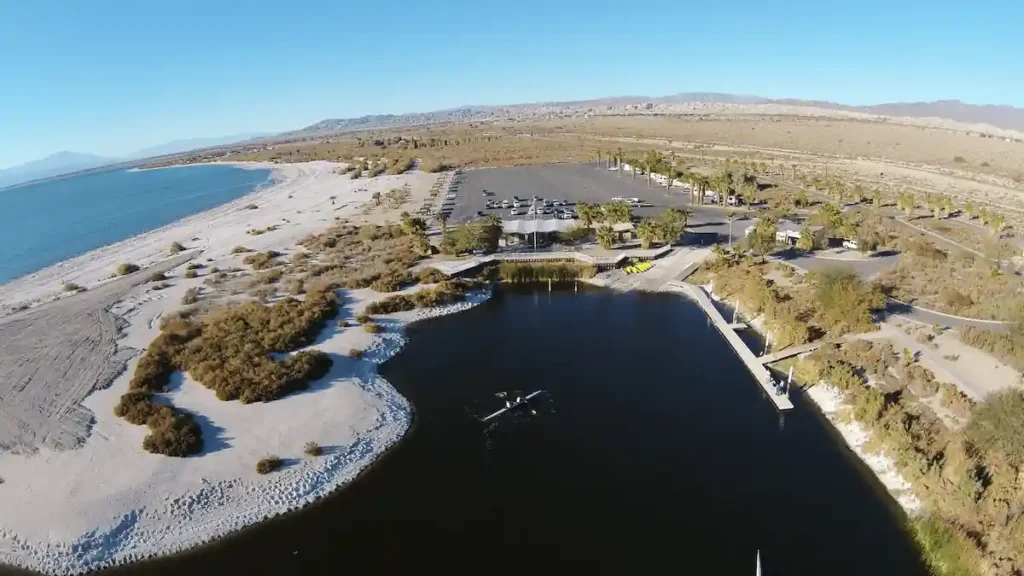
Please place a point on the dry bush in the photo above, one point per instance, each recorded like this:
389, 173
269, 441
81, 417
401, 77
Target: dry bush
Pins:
446, 292
363, 318
251, 207
354, 258
390, 282
268, 464
240, 250
295, 286
372, 327
355, 353
172, 433
312, 449
262, 260
259, 231
70, 287
428, 275
176, 247
191, 296
1006, 346
190, 274
126, 268
954, 400
262, 293
156, 277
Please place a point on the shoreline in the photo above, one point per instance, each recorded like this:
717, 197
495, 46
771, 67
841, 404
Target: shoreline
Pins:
854, 436
75, 269
108, 502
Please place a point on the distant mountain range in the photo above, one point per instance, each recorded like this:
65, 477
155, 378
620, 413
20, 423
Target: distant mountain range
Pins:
1006, 117
52, 165
68, 162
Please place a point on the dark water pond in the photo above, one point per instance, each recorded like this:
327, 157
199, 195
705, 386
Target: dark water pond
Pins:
655, 454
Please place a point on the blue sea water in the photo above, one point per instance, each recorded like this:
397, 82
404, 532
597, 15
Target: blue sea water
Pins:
42, 224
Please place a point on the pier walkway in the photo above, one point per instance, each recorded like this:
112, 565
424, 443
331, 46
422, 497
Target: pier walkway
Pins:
789, 352
752, 362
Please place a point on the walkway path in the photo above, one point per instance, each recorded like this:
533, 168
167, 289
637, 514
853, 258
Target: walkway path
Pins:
752, 363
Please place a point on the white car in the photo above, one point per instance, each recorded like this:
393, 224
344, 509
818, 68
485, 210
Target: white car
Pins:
733, 200
549, 203
618, 199
513, 212
566, 215
505, 203
543, 210
516, 204
851, 244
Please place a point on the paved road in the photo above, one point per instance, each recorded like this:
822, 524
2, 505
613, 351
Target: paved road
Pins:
866, 269
579, 183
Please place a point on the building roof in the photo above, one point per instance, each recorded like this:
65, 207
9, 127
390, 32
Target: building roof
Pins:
530, 226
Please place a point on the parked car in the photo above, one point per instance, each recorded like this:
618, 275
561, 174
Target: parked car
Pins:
733, 200
618, 199
514, 212
567, 215
516, 204
505, 203
549, 203
543, 210
851, 244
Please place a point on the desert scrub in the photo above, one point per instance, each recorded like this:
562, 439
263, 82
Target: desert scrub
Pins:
312, 449
71, 287
251, 206
446, 292
262, 260
268, 464
156, 277
176, 247
259, 231
191, 296
372, 327
430, 275
240, 250
1006, 346
172, 433
390, 282
190, 274
229, 351
126, 268
355, 353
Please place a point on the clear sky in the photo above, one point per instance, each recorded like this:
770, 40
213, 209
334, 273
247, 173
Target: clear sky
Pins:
111, 76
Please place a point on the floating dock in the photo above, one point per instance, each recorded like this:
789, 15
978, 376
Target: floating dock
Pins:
752, 362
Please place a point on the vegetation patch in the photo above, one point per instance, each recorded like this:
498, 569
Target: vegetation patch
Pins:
176, 247
262, 260
268, 464
446, 292
126, 268
312, 449
1006, 346
515, 272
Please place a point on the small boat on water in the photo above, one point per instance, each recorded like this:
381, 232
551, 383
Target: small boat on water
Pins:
511, 404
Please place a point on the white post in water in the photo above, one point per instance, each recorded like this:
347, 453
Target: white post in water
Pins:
790, 376
735, 311
767, 343
549, 284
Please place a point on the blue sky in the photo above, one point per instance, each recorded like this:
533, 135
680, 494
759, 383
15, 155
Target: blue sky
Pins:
109, 77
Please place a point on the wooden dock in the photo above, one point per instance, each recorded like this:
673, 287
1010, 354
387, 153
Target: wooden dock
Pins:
752, 362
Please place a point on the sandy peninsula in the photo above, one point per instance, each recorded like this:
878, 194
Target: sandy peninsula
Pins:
81, 494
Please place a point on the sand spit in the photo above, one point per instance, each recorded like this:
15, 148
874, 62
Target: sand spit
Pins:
108, 502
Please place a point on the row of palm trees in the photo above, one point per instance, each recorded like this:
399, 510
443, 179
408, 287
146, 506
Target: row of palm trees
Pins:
735, 179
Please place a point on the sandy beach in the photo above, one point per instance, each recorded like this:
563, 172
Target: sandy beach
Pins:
107, 501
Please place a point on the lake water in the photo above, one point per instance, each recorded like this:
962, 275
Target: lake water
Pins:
655, 453
46, 223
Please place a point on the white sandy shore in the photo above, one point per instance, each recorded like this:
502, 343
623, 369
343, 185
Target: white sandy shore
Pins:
856, 437
109, 502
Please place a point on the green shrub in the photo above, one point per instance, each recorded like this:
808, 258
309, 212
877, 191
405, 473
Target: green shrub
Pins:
70, 287
268, 464
156, 277
126, 268
390, 282
355, 353
190, 274
363, 318
372, 327
945, 548
176, 247
997, 425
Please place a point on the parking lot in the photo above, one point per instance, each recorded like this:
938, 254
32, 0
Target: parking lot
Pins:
576, 183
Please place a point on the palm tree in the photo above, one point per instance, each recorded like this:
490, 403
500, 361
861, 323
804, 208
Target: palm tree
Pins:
647, 231
442, 219
585, 212
598, 158
618, 160
606, 237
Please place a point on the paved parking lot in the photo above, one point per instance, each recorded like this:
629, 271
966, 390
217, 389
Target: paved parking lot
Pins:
577, 183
